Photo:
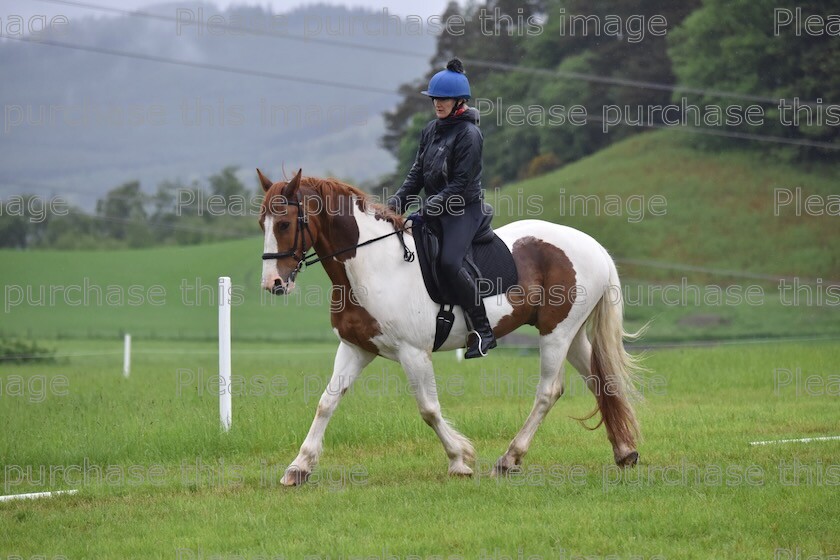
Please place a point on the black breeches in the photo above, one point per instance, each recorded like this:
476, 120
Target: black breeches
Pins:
458, 234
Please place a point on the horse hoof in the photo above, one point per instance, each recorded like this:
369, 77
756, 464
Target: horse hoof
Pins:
504, 467
295, 477
459, 468
629, 460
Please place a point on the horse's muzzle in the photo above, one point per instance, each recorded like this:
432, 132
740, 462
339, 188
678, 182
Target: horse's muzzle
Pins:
281, 288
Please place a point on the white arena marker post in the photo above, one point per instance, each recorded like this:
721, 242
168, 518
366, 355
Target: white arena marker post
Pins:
127, 355
224, 353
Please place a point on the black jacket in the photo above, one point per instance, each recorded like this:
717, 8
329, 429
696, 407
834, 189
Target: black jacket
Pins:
448, 165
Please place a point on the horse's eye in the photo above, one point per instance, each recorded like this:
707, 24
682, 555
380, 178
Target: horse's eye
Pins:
283, 226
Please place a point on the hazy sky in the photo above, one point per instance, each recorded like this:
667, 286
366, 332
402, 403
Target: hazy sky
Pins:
28, 8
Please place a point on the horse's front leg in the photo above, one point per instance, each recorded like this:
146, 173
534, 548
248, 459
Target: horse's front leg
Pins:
349, 362
421, 375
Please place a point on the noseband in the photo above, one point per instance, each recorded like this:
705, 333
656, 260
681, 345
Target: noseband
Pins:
302, 229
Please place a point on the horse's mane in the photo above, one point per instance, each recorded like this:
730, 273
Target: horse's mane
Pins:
332, 186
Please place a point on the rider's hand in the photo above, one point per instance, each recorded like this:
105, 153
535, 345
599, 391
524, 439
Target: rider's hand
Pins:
416, 218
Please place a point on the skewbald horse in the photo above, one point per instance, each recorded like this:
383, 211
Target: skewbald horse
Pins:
380, 307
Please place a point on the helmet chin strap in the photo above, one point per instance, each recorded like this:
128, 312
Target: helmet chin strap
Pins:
457, 107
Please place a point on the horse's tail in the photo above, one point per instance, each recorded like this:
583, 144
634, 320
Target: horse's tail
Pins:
613, 370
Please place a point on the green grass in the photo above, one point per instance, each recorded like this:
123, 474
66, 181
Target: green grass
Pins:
161, 293
381, 488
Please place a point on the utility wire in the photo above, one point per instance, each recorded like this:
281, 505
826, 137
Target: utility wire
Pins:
201, 65
470, 61
272, 75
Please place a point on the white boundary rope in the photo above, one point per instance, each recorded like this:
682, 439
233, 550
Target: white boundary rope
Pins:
35, 495
801, 440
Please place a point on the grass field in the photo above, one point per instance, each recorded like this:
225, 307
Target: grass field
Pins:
156, 479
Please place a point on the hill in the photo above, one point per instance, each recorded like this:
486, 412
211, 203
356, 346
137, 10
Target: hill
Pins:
653, 197
688, 259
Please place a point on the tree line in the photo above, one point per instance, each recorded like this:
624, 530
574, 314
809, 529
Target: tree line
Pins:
127, 217
723, 55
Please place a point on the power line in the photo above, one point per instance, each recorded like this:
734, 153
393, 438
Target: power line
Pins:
470, 61
623, 81
502, 66
272, 75
202, 65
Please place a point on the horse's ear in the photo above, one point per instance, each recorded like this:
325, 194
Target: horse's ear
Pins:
290, 190
264, 181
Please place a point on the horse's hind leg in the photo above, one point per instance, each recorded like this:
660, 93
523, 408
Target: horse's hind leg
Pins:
349, 362
421, 375
580, 356
553, 348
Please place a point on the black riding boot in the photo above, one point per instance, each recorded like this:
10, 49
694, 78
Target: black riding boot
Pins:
484, 339
476, 316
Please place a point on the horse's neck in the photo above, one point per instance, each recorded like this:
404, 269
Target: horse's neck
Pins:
373, 266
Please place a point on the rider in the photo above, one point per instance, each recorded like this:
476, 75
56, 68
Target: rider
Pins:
448, 168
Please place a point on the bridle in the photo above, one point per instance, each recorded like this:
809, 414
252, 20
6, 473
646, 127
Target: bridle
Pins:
299, 244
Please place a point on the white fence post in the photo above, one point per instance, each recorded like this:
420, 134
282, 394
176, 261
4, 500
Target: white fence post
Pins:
127, 355
225, 413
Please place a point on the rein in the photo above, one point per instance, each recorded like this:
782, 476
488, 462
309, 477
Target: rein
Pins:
312, 258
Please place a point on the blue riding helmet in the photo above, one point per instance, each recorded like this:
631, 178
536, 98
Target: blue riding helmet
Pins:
451, 82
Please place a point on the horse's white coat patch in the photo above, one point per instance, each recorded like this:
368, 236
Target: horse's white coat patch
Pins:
392, 290
269, 246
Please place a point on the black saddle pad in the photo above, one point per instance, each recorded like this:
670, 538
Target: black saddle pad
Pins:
490, 261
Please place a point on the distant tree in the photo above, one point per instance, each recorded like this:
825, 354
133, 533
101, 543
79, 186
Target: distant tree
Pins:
226, 184
14, 228
733, 46
75, 230
123, 214
127, 217
634, 56
163, 202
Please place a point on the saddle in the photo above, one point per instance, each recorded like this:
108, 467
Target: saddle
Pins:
488, 259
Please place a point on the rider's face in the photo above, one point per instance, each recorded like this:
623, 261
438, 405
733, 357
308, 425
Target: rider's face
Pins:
443, 106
